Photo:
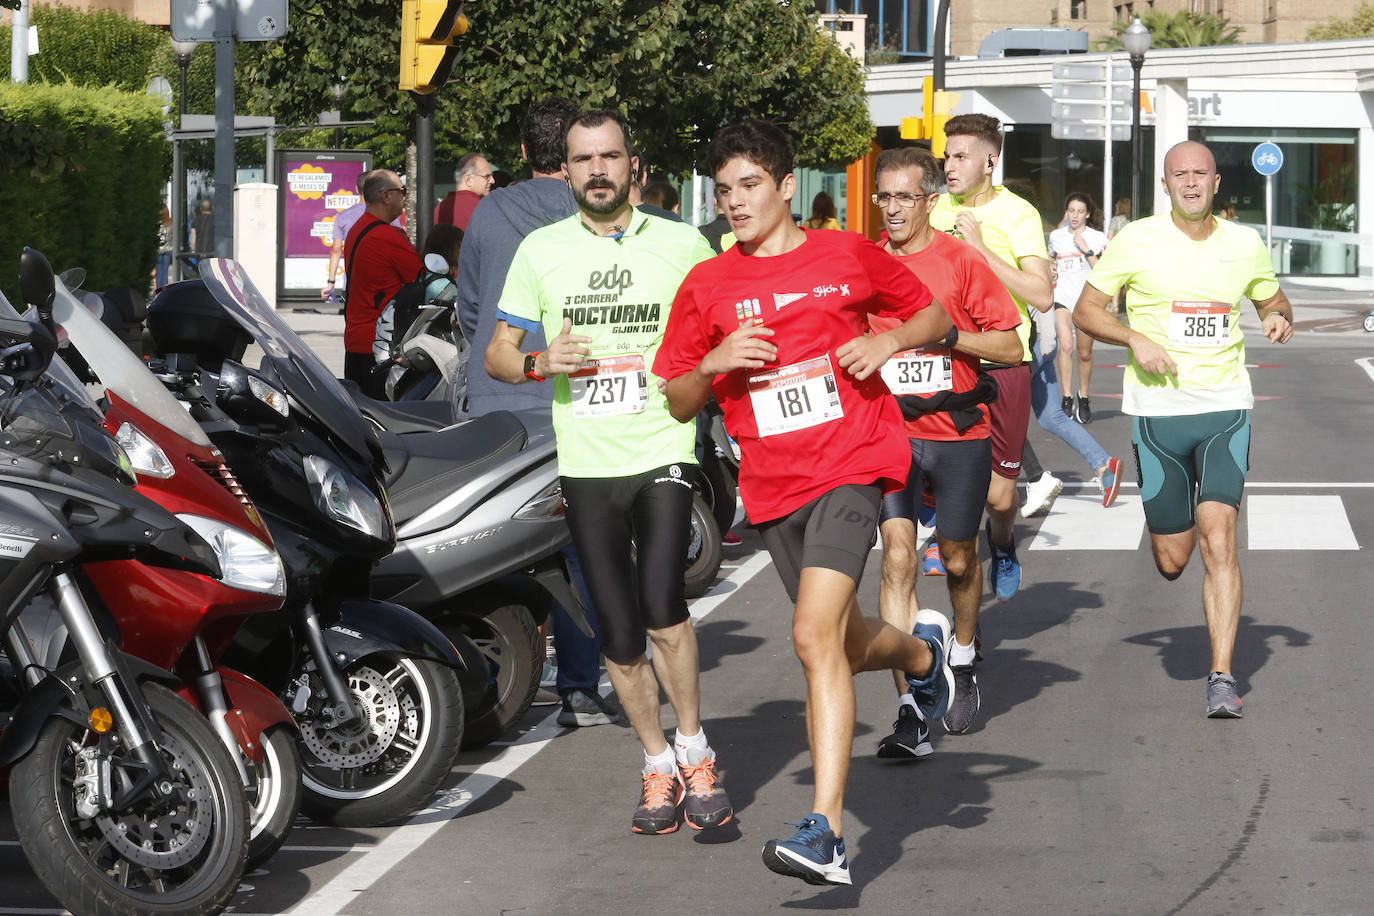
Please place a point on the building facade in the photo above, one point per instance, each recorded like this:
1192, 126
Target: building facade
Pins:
1314, 99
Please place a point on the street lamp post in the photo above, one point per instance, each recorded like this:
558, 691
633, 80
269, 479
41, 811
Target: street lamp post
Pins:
183, 50
338, 90
1137, 42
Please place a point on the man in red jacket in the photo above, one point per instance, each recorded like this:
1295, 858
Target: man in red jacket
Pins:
380, 260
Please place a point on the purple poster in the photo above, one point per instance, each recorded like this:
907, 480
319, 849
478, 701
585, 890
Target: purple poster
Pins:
315, 187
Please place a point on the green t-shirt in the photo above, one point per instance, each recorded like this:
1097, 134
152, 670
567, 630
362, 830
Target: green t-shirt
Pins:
1012, 230
610, 418
1186, 295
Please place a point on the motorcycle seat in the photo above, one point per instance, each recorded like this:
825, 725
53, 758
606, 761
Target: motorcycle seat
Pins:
425, 466
403, 416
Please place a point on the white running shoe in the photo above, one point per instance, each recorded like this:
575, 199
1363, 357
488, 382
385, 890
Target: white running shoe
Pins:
1040, 494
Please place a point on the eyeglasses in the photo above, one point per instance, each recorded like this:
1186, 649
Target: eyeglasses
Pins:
903, 199
389, 190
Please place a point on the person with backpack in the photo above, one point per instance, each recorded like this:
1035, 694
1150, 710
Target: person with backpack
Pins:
379, 260
430, 285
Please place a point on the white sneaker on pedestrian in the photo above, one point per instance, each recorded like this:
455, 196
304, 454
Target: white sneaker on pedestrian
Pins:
1040, 494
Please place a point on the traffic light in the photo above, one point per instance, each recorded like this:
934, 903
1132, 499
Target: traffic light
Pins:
936, 106
428, 28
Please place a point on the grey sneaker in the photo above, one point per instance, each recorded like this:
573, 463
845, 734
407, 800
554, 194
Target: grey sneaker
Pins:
963, 709
1222, 700
910, 737
586, 707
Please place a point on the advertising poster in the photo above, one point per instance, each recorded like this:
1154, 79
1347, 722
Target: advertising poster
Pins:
316, 185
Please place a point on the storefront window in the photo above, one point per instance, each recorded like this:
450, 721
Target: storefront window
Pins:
1315, 193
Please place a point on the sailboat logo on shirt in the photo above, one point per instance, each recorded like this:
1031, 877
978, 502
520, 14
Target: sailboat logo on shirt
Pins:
781, 300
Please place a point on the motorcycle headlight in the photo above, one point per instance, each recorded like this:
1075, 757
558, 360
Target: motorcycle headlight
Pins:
547, 503
245, 562
345, 499
144, 454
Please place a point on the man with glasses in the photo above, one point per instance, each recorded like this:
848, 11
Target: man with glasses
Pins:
942, 398
379, 260
473, 177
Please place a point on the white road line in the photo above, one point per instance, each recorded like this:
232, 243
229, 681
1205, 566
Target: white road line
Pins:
1310, 522
1367, 364
358, 877
1249, 485
1080, 523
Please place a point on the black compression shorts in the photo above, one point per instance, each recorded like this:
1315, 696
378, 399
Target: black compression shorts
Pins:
632, 596
833, 531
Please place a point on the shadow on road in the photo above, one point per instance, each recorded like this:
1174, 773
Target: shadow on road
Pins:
1186, 651
718, 637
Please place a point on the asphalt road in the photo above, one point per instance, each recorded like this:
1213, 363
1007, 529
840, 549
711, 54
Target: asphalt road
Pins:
1092, 782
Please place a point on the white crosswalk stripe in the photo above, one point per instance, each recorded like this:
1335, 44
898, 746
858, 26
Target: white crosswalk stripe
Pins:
1311, 522
1271, 522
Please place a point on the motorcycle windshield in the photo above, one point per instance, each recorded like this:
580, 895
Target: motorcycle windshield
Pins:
119, 370
56, 418
306, 379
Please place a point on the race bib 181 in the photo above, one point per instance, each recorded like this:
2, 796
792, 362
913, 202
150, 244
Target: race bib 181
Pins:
609, 386
795, 397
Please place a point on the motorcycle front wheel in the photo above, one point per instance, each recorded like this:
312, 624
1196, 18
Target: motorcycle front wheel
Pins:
274, 794
508, 637
391, 761
182, 853
703, 550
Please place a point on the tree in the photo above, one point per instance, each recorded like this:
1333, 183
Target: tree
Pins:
677, 69
1181, 30
1359, 25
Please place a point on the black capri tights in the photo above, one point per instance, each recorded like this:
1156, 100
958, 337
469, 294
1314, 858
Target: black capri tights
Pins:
632, 594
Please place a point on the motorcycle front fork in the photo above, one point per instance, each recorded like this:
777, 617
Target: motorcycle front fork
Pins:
340, 698
131, 715
214, 703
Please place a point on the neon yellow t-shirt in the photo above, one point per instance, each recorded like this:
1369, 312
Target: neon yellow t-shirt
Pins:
1012, 230
610, 418
1186, 295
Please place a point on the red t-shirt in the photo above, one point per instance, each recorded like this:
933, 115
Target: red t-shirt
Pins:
803, 424
976, 300
383, 263
456, 208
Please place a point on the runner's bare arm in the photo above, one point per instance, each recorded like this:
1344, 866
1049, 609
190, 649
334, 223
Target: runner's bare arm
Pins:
994, 346
1276, 313
505, 361
1028, 280
863, 356
1091, 317
745, 348
335, 253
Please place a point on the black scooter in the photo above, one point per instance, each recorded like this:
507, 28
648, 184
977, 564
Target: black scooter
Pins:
373, 686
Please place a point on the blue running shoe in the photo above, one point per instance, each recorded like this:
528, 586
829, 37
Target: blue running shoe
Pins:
932, 693
813, 853
925, 512
1004, 573
931, 564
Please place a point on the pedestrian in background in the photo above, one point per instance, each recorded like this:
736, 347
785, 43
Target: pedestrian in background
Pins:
164, 246
822, 213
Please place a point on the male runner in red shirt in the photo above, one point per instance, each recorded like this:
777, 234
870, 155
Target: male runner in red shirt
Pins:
943, 398
776, 328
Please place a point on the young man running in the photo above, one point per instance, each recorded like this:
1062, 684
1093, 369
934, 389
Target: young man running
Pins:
600, 283
946, 422
1186, 383
776, 328
1007, 231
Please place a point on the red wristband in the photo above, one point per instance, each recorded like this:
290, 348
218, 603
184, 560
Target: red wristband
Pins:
529, 367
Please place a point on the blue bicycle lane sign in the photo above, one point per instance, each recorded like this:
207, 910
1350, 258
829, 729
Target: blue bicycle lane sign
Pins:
1267, 158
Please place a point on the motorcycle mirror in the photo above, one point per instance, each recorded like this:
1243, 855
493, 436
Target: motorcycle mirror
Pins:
73, 278
249, 399
37, 284
25, 349
435, 263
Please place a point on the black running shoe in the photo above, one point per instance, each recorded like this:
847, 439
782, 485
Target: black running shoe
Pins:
1066, 405
1085, 410
963, 709
910, 737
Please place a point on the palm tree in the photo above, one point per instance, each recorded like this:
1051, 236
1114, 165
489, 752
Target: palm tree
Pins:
1181, 30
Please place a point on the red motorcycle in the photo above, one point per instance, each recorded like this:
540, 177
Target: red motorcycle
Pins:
183, 621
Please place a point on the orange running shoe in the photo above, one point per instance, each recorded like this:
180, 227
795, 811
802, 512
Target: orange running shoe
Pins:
707, 804
657, 811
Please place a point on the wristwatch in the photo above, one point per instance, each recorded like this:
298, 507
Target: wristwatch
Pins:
951, 338
529, 367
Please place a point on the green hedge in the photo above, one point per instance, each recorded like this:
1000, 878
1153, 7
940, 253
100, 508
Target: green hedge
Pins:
91, 48
82, 182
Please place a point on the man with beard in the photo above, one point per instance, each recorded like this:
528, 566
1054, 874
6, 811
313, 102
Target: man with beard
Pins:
600, 284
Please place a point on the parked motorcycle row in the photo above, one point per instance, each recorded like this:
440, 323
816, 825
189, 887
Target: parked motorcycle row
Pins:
233, 594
